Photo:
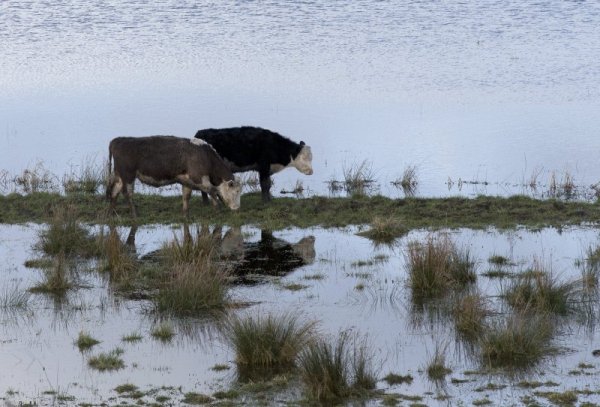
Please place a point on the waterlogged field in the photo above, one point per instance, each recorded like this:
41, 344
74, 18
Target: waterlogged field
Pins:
97, 325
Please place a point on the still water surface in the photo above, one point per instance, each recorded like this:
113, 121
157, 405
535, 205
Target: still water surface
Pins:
489, 91
38, 354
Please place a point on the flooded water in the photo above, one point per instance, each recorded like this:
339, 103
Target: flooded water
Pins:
492, 92
38, 353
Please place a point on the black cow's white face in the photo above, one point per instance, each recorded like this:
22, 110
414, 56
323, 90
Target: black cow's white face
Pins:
230, 192
303, 161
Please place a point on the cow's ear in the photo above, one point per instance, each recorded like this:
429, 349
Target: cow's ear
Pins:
302, 143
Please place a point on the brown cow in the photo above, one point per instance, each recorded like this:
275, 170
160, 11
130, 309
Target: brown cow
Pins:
166, 160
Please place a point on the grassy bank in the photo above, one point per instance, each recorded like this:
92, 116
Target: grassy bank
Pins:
284, 212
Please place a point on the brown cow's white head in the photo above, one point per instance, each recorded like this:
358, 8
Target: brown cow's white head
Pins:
230, 192
303, 161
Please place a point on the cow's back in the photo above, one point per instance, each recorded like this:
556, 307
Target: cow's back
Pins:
160, 157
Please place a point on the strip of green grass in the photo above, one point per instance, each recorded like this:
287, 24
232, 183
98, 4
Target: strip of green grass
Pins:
316, 211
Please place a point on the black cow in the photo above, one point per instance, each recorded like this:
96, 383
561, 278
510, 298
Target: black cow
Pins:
255, 149
166, 160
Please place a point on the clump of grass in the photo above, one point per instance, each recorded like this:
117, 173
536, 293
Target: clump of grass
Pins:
498, 260
37, 179
66, 235
163, 332
498, 273
196, 398
190, 249
267, 341
518, 341
194, 287
436, 266
469, 314
84, 341
119, 261
358, 177
126, 388
384, 230
43, 263
393, 379
436, 368
408, 182
295, 286
567, 398
334, 372
56, 280
107, 361
86, 179
132, 337
540, 291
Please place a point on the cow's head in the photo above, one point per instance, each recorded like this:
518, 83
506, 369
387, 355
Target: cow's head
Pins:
229, 192
303, 161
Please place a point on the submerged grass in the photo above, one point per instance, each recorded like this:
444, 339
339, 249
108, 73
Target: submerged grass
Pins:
120, 263
266, 341
332, 372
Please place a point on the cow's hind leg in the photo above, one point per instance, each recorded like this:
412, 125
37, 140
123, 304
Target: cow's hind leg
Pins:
113, 189
186, 193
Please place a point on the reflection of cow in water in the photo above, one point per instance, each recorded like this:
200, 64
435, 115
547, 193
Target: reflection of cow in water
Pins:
272, 256
249, 262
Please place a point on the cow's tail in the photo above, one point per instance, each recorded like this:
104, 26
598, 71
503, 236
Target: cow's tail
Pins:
109, 176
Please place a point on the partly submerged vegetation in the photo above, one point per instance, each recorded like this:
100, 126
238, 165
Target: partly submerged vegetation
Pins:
283, 212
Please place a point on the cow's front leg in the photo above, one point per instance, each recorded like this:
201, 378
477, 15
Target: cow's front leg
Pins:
205, 199
265, 186
186, 193
214, 197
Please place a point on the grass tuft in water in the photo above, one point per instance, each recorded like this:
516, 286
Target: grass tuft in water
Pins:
196, 398
266, 341
540, 291
132, 337
469, 313
107, 361
56, 279
66, 235
384, 230
436, 368
519, 341
194, 287
120, 262
498, 260
393, 379
84, 341
334, 372
164, 332
437, 265
358, 177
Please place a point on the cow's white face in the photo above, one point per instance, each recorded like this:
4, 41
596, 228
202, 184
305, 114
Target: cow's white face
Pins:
303, 161
230, 192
